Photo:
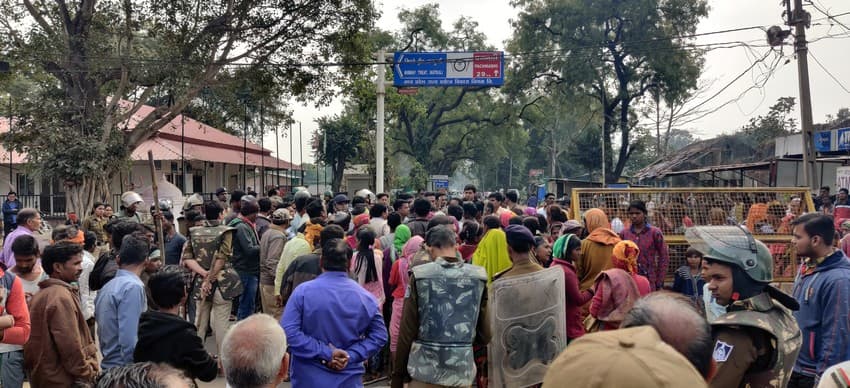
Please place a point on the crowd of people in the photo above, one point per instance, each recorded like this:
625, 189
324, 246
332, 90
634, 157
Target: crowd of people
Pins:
424, 290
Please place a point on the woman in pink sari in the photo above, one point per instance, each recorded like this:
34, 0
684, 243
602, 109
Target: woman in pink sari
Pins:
398, 280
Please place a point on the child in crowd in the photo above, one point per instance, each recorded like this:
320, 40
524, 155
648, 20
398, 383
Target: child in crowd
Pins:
687, 280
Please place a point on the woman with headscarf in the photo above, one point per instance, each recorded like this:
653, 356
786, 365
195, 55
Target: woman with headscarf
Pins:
492, 253
625, 258
566, 250
596, 249
391, 255
615, 293
400, 237
359, 221
398, 280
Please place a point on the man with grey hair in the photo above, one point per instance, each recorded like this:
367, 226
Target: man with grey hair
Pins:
679, 325
29, 221
253, 354
144, 374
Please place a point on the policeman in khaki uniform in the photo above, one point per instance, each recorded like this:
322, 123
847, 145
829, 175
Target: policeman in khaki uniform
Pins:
757, 340
193, 202
207, 253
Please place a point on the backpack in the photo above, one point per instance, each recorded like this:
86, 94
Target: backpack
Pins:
104, 270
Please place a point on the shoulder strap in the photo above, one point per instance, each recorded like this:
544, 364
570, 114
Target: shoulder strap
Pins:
8, 280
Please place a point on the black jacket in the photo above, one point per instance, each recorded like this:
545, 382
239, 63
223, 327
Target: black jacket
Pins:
167, 338
246, 248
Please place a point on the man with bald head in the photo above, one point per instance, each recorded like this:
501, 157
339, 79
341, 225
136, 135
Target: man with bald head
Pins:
679, 325
253, 354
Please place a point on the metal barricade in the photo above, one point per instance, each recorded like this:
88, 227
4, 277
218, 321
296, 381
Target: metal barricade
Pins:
766, 212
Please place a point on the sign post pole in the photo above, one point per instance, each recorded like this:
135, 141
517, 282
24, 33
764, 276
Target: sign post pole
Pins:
379, 138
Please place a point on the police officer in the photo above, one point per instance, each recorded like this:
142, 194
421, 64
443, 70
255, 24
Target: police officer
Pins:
207, 254
130, 201
193, 202
757, 340
444, 315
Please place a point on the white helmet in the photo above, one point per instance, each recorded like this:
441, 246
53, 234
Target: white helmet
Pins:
366, 193
302, 194
193, 200
129, 198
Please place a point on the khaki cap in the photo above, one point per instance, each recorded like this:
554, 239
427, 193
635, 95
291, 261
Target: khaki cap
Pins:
634, 358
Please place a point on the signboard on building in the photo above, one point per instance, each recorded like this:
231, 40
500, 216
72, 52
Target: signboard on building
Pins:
833, 140
440, 181
842, 178
479, 68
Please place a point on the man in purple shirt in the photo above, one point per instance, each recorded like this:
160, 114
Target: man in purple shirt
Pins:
332, 325
29, 220
654, 258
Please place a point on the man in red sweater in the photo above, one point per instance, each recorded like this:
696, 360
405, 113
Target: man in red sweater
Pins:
15, 317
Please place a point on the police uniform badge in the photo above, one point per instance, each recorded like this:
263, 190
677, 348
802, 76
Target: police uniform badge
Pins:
722, 351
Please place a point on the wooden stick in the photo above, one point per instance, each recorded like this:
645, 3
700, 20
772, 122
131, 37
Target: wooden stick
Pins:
156, 220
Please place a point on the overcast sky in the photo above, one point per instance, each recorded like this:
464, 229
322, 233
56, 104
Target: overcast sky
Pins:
722, 65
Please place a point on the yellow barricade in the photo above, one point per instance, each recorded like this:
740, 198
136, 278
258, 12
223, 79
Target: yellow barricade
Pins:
766, 212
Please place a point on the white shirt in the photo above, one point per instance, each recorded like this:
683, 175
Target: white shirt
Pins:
379, 225
87, 296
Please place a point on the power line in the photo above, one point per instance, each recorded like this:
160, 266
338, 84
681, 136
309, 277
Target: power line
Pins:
828, 16
828, 72
742, 74
507, 56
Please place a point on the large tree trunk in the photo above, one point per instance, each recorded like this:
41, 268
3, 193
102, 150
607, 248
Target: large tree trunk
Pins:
608, 150
337, 169
623, 157
81, 196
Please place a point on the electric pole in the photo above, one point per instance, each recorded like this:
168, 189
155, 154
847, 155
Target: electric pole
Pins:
800, 20
379, 130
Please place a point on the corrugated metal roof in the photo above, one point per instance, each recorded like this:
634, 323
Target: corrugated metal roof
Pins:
201, 142
166, 149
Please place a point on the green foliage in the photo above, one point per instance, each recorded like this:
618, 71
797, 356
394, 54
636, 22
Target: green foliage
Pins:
613, 51
779, 121
339, 138
441, 128
81, 58
417, 180
564, 134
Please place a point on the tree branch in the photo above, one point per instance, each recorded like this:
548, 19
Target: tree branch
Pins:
39, 18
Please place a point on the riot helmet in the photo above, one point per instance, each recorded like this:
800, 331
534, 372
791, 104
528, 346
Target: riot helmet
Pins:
734, 246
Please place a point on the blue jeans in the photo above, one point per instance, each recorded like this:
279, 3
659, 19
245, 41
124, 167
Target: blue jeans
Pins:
12, 369
250, 283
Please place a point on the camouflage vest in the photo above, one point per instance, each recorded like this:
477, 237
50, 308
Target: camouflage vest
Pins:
762, 312
205, 241
449, 296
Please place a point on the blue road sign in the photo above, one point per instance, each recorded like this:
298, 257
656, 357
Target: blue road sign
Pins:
449, 69
441, 184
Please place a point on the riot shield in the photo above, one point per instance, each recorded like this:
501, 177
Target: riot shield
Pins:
528, 321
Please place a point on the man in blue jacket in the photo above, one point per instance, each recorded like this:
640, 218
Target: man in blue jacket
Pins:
822, 288
11, 207
332, 324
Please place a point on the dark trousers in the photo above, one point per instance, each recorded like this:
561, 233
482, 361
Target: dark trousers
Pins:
801, 381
